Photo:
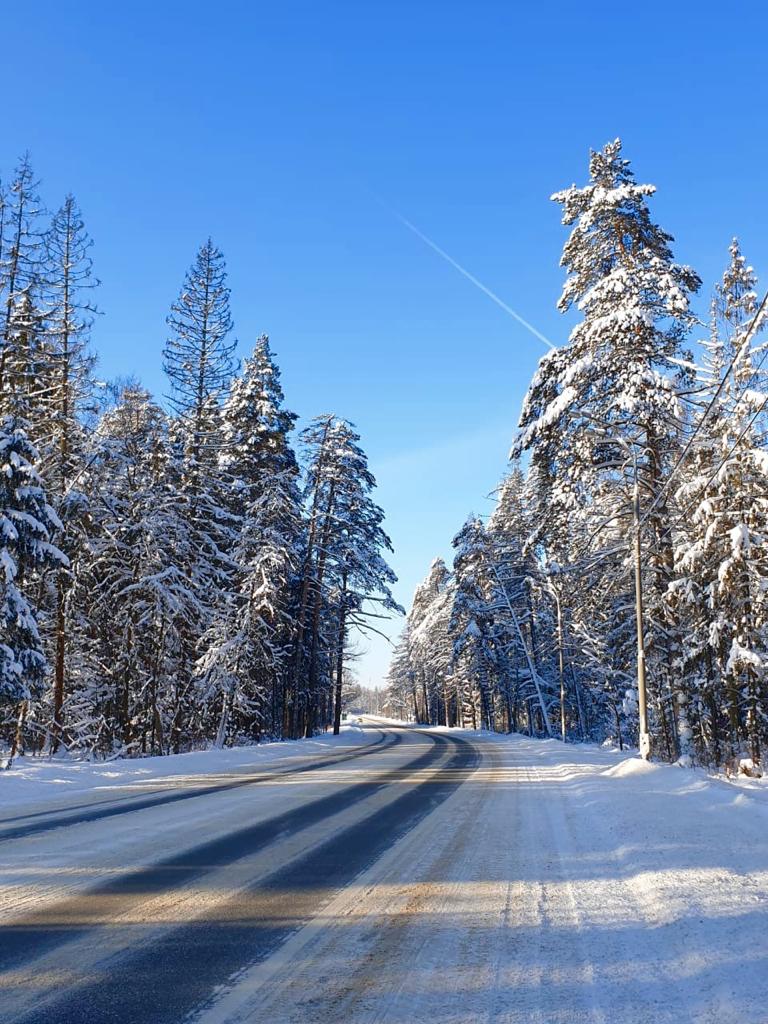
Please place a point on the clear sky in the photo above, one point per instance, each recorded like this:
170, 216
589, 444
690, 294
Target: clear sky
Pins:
275, 127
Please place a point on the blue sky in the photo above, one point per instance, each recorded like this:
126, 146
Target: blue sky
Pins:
275, 127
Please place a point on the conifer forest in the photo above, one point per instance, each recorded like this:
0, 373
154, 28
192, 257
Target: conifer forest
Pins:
383, 514
383, 639
177, 570
182, 570
636, 497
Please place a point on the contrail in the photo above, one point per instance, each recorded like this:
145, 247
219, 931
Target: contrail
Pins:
471, 277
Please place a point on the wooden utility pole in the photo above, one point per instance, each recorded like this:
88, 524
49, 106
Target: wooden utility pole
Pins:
642, 700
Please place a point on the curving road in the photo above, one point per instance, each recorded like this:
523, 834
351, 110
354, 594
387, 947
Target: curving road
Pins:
200, 881
407, 877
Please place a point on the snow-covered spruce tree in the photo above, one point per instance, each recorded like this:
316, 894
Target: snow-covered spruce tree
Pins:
471, 624
21, 249
198, 358
23, 400
606, 407
244, 659
134, 590
69, 313
26, 362
27, 523
399, 695
67, 384
433, 684
721, 550
256, 428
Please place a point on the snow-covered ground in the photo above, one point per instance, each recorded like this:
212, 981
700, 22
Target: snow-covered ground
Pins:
556, 885
559, 885
33, 780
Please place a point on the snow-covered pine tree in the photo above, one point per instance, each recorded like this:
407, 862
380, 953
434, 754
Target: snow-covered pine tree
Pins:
320, 494
27, 523
341, 520
67, 384
361, 576
606, 407
584, 634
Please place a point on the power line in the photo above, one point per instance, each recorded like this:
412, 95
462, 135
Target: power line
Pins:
682, 515
679, 519
707, 411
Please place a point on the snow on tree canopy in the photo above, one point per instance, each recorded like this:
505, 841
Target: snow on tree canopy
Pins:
27, 523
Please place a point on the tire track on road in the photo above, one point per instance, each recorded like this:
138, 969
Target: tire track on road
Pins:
36, 934
123, 806
181, 970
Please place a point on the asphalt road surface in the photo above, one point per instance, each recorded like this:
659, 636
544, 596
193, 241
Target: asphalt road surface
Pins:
242, 863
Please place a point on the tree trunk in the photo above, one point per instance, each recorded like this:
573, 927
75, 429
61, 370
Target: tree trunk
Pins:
341, 640
291, 701
19, 732
561, 666
58, 677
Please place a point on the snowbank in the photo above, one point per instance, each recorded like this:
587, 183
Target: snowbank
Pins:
37, 779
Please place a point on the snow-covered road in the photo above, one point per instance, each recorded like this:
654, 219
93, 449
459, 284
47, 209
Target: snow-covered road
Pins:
396, 876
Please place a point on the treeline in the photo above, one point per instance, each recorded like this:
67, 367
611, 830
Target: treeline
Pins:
365, 700
169, 576
640, 468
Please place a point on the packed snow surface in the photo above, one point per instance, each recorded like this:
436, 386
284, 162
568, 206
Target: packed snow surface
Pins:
556, 885
559, 885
